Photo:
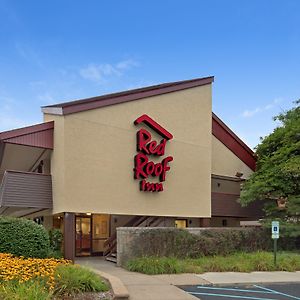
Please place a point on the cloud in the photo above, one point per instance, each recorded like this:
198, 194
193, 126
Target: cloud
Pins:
250, 113
127, 64
100, 73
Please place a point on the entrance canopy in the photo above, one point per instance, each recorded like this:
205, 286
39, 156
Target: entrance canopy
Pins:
23, 190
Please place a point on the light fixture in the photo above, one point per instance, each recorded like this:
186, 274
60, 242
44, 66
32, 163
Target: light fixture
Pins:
88, 213
281, 202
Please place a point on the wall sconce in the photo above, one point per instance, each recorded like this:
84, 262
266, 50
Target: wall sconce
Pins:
239, 174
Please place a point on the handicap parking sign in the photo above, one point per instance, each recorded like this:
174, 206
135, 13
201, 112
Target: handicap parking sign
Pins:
275, 230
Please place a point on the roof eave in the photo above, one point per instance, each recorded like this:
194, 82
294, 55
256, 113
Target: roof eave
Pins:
118, 98
52, 110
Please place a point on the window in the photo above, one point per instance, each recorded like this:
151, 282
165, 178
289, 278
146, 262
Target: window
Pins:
180, 223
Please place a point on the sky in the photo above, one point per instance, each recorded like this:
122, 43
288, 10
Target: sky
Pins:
60, 50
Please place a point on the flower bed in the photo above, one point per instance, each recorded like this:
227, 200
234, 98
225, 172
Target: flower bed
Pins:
45, 279
23, 269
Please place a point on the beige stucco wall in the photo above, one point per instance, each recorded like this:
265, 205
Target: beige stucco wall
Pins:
225, 162
92, 162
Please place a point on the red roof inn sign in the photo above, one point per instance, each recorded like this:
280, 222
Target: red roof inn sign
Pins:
146, 147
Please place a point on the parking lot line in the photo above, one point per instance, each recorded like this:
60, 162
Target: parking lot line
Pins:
230, 296
232, 289
276, 292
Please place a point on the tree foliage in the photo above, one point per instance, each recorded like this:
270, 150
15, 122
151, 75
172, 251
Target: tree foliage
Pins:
277, 175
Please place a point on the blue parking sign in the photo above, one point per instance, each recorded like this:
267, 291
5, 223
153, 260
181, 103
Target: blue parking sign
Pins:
275, 230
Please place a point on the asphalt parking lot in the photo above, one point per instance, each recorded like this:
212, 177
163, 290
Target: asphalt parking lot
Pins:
276, 291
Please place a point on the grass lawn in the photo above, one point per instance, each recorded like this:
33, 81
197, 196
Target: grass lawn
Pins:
238, 262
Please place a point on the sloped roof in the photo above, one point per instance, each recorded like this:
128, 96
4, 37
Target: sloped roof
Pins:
39, 135
126, 96
35, 135
225, 135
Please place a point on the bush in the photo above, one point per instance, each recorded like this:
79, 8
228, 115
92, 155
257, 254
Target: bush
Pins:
29, 290
155, 265
56, 239
238, 262
171, 242
23, 237
74, 279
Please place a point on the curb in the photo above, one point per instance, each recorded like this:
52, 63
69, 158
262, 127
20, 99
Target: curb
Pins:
120, 292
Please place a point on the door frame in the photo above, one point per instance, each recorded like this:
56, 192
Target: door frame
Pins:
80, 216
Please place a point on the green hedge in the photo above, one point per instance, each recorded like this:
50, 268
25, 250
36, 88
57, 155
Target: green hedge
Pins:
23, 237
170, 242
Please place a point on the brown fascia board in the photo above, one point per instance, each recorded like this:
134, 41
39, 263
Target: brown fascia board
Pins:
230, 132
116, 98
26, 130
228, 178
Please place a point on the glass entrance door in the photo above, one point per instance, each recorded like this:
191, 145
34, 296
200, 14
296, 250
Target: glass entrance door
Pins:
83, 236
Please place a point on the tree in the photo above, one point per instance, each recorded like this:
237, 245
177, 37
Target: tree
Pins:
277, 175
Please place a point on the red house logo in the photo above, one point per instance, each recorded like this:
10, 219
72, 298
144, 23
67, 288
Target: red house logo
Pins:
143, 167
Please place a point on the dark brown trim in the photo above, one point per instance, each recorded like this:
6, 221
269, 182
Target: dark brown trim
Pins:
26, 215
26, 130
32, 146
69, 236
225, 135
40, 136
80, 216
116, 98
228, 178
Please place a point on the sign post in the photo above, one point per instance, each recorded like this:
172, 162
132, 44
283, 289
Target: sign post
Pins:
275, 237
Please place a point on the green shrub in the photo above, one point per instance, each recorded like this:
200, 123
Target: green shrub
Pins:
155, 265
172, 242
73, 279
24, 237
56, 238
29, 290
238, 262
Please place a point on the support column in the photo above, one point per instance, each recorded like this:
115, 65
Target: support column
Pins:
69, 236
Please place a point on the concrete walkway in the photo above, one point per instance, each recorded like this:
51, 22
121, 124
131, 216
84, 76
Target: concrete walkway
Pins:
253, 277
145, 287
162, 287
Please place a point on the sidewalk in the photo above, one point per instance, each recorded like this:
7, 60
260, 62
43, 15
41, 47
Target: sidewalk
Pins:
162, 287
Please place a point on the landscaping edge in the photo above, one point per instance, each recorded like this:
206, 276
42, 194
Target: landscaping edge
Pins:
119, 290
